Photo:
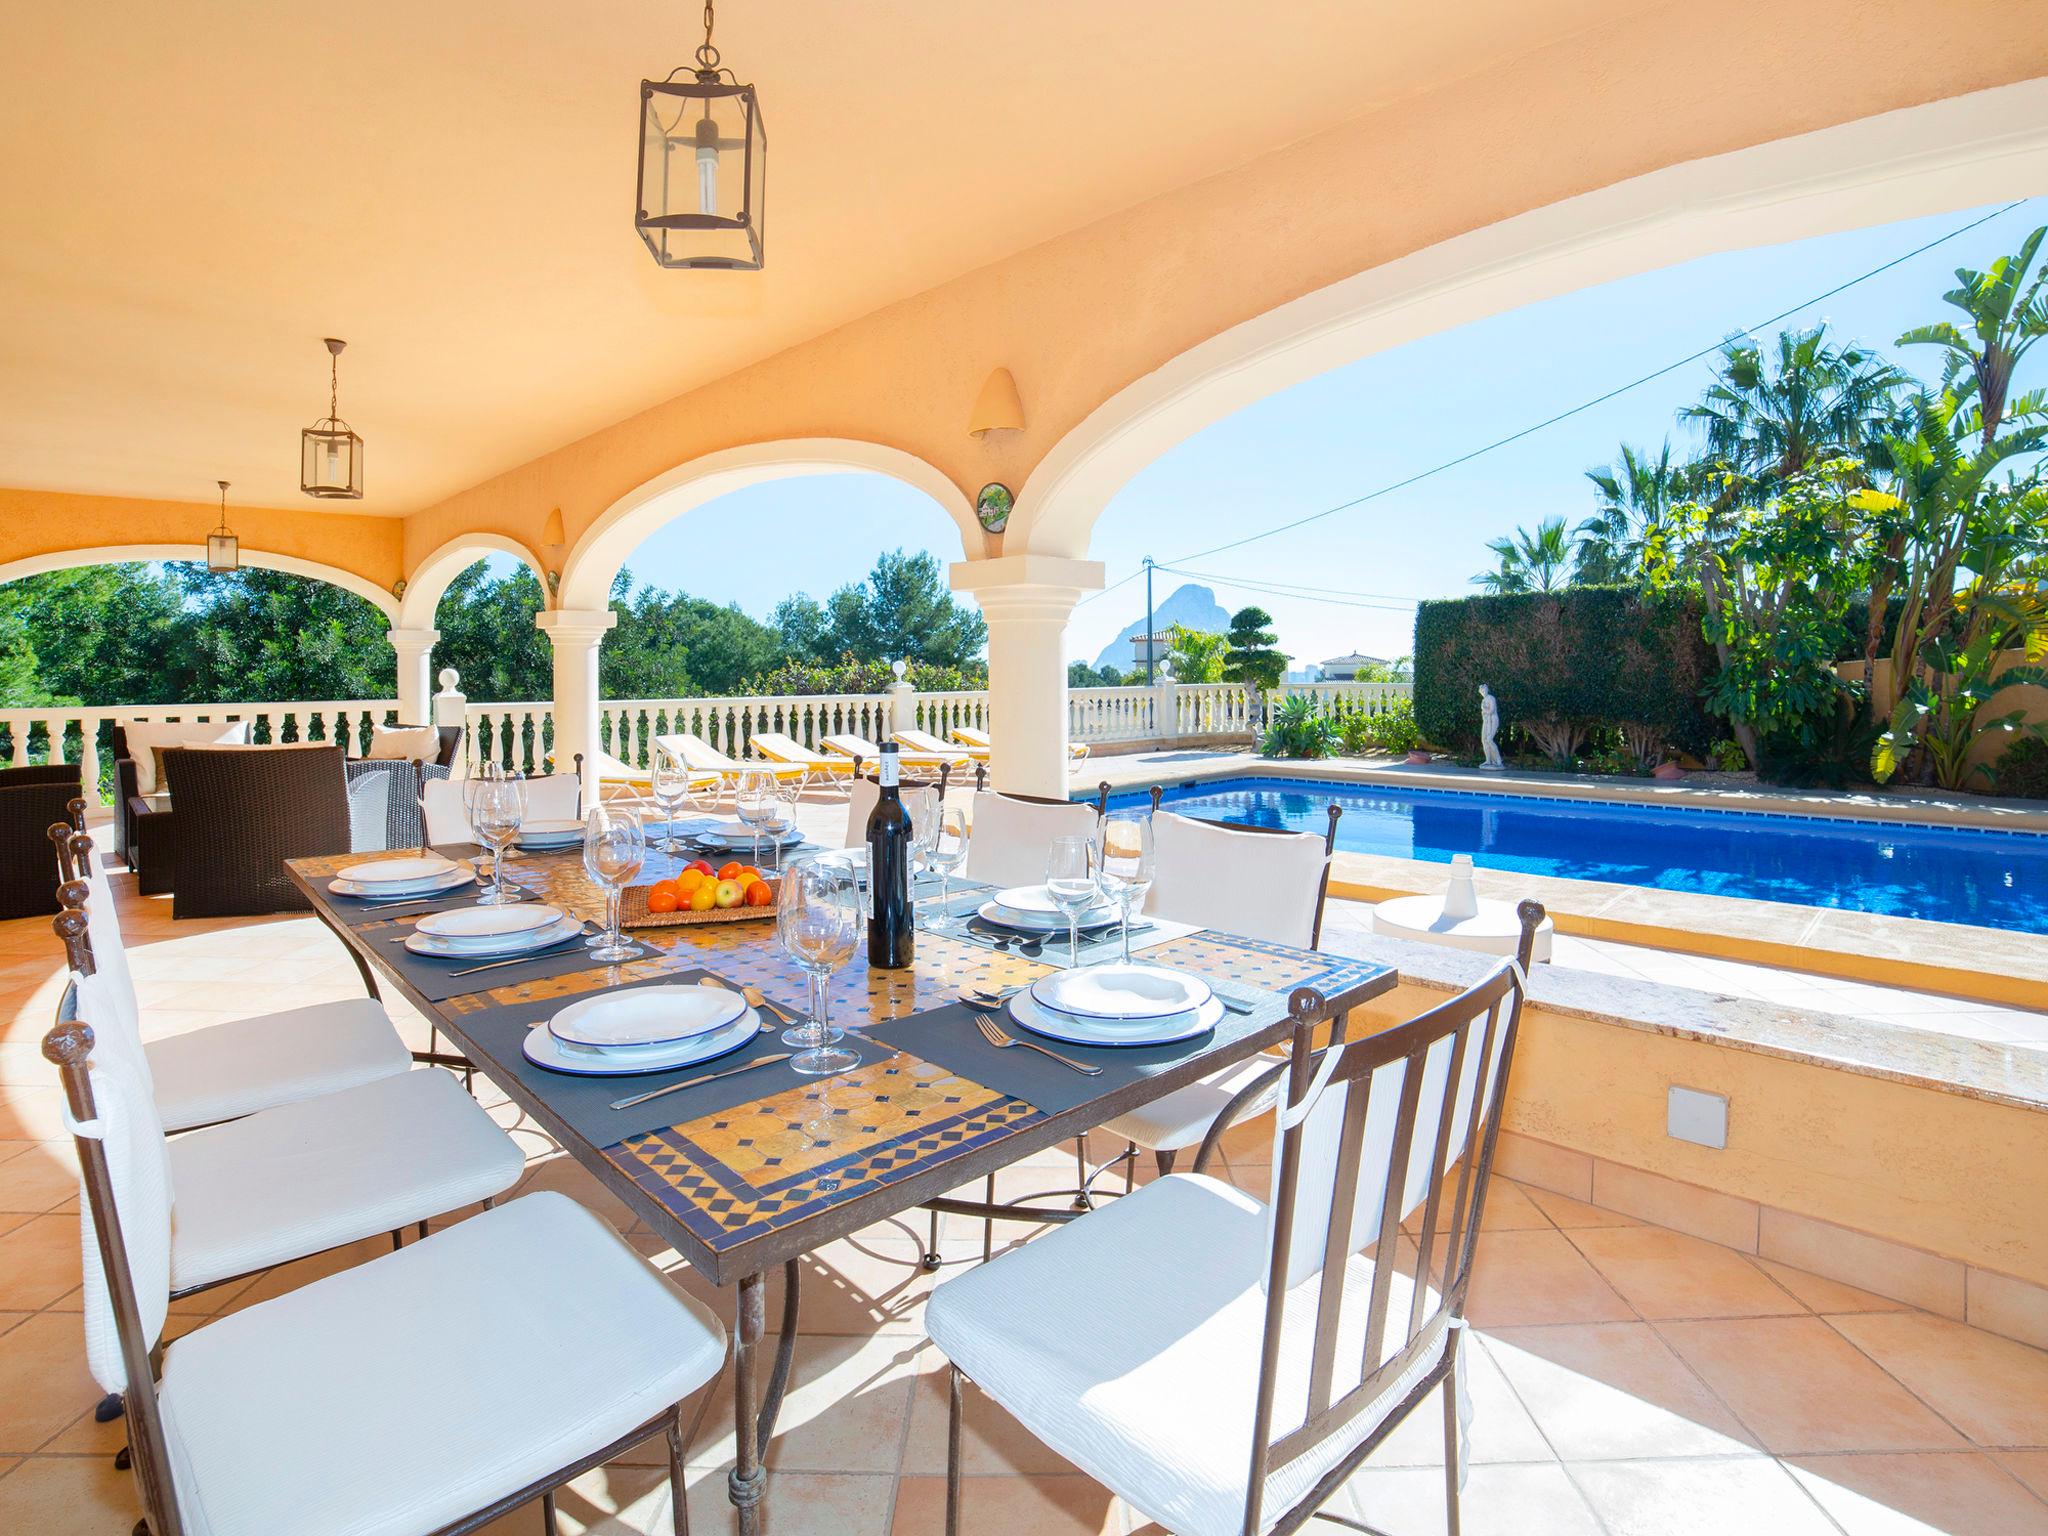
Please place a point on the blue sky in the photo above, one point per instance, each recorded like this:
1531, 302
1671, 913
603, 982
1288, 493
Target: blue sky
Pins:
1377, 421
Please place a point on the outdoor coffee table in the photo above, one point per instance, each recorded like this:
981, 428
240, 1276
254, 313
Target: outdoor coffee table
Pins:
754, 1171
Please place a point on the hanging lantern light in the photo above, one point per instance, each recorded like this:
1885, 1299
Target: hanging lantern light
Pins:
703, 166
223, 549
330, 455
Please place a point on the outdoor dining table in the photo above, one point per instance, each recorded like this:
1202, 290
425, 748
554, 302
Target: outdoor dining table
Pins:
755, 1170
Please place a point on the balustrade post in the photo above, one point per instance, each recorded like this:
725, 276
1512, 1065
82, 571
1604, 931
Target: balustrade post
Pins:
902, 702
451, 708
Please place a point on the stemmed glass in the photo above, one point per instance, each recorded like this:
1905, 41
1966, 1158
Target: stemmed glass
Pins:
947, 851
670, 781
818, 923
1070, 879
614, 848
1123, 856
754, 800
781, 817
496, 801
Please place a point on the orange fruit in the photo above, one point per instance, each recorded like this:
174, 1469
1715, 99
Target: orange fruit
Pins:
689, 880
730, 871
663, 900
759, 894
664, 885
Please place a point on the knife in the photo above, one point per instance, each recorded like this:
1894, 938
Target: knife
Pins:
692, 1082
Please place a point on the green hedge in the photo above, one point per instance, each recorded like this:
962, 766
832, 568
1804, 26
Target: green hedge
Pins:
1599, 655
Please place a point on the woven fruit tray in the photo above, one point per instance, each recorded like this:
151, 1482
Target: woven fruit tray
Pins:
633, 911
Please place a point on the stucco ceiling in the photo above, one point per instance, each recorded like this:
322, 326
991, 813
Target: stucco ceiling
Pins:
197, 194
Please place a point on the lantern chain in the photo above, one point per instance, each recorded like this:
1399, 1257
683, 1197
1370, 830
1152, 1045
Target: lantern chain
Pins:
707, 55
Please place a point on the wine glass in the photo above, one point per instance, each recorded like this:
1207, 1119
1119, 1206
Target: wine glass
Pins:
614, 848
818, 923
924, 828
1123, 856
754, 800
497, 808
1070, 879
670, 781
781, 817
947, 852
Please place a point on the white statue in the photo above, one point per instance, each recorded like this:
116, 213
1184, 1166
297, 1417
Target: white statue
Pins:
1489, 728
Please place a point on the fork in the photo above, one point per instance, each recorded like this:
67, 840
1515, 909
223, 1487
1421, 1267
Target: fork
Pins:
995, 1036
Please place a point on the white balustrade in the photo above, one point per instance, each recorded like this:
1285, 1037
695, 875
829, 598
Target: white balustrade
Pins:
1353, 698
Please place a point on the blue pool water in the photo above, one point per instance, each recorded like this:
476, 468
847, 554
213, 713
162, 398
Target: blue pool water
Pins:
1950, 875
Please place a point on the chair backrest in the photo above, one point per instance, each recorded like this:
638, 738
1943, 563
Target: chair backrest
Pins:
1012, 834
125, 1213
969, 736
782, 747
549, 797
1236, 881
846, 744
242, 812
695, 752
1328, 840
1372, 1130
920, 800
925, 741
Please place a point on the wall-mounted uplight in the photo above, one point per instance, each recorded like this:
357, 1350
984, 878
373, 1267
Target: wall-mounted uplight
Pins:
998, 408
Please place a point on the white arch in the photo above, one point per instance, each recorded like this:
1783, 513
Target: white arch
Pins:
116, 554
430, 579
607, 543
1986, 147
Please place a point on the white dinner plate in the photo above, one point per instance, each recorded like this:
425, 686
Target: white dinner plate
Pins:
469, 925
1119, 991
550, 832
733, 834
558, 932
457, 877
399, 871
1000, 916
1060, 1026
544, 1050
647, 1016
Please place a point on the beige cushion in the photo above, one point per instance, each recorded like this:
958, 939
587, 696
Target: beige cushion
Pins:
144, 737
404, 743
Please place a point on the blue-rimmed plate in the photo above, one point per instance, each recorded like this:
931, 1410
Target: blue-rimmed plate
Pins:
544, 1050
1060, 1026
1119, 991
643, 1016
560, 931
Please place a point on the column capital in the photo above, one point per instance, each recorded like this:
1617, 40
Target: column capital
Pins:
413, 639
1026, 586
574, 624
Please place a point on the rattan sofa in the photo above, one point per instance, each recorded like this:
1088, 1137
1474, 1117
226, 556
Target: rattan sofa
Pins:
241, 812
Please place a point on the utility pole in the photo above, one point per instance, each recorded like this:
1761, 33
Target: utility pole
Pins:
1151, 648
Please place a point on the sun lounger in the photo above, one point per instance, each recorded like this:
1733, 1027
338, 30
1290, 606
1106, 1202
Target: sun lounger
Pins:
916, 764
977, 741
699, 756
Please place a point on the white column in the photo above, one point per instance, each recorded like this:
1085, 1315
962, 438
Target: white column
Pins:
415, 651
1027, 600
575, 634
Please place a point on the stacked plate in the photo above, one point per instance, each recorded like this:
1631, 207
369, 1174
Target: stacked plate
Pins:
1117, 1005
644, 1029
544, 833
1031, 909
390, 879
492, 933
729, 836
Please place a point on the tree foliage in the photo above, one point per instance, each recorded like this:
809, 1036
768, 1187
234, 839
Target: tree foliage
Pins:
1537, 560
1196, 655
1249, 656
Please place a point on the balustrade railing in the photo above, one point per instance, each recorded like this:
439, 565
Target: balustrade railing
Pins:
1112, 714
1355, 698
83, 734
627, 727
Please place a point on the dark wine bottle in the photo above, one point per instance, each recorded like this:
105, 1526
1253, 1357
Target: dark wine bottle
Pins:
892, 931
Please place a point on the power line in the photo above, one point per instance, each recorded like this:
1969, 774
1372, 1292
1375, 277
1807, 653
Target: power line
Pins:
1294, 586
1580, 409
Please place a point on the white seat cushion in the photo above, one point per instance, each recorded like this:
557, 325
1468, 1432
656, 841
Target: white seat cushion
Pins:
239, 1067
1183, 1117
1129, 1342
405, 1393
309, 1176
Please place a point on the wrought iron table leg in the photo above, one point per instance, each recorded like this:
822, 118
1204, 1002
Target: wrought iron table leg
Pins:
754, 1412
785, 1355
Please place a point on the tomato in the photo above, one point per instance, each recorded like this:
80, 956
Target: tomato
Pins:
670, 887
659, 900
760, 894
730, 871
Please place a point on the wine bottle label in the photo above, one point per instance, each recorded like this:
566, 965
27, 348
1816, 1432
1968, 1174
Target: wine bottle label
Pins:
889, 770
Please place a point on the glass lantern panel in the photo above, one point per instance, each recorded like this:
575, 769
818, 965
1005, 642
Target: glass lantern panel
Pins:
331, 463
700, 185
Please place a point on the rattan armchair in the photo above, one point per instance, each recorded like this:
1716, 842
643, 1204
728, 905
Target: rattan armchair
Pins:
242, 811
31, 799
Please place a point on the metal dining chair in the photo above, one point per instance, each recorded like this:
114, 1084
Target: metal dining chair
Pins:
1223, 1363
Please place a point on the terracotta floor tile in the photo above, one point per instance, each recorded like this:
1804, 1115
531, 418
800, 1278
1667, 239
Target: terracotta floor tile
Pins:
68, 1496
1613, 1391
36, 1180
848, 1403
1501, 1428
1568, 1213
1724, 1496
31, 1114
1961, 1494
1799, 1386
992, 1443
858, 1285
1014, 1506
2030, 1467
1527, 1278
44, 1384
1668, 1275
1825, 1295
39, 1261
1504, 1500
1993, 1390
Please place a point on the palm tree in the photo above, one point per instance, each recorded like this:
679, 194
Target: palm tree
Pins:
1636, 495
1768, 418
1529, 562
2006, 322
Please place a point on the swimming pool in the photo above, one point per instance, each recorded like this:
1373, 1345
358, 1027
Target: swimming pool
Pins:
1950, 875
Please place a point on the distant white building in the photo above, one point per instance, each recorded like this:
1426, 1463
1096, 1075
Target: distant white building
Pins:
1345, 669
1156, 646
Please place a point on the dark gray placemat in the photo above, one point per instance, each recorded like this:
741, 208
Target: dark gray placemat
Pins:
947, 1037
436, 978
585, 1102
